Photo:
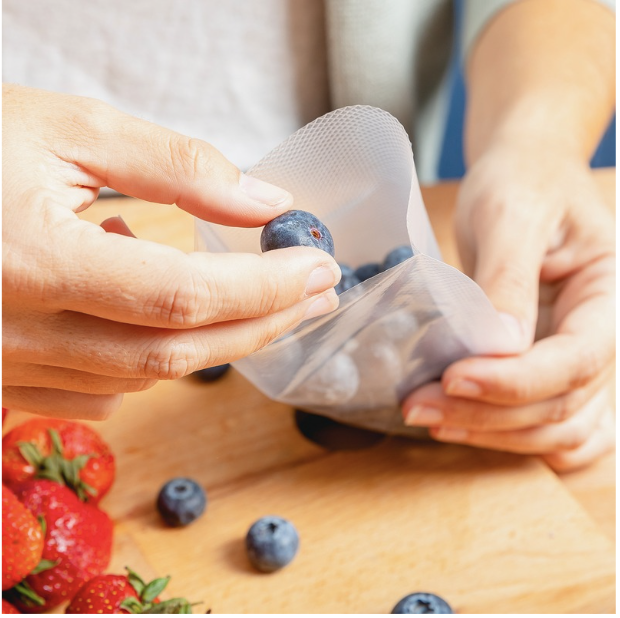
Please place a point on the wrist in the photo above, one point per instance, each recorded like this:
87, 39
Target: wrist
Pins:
534, 126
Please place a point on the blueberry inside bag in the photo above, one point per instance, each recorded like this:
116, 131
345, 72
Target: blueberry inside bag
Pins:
353, 168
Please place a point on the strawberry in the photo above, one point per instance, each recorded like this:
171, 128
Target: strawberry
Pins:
4, 413
125, 594
78, 544
22, 540
7, 608
69, 453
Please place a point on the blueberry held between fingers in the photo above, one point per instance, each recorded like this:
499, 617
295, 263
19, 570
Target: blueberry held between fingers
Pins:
422, 603
271, 543
348, 279
396, 256
210, 374
366, 271
181, 501
296, 228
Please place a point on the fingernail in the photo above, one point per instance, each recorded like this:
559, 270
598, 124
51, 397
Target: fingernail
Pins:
424, 415
264, 192
463, 388
321, 279
451, 434
517, 329
322, 305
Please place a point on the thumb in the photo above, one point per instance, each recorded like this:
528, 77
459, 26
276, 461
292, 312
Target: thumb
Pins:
143, 160
508, 263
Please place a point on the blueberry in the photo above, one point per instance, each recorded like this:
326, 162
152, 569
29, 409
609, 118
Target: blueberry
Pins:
348, 279
366, 271
296, 228
181, 501
422, 603
271, 543
210, 374
396, 256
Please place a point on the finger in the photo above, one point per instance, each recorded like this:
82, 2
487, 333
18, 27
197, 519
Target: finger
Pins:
507, 268
553, 366
144, 160
125, 351
547, 439
429, 406
117, 225
42, 376
61, 404
154, 285
601, 442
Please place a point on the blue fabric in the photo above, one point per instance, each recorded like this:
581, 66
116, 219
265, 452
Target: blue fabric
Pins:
451, 161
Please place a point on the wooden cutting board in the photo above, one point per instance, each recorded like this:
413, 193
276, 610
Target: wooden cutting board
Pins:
490, 532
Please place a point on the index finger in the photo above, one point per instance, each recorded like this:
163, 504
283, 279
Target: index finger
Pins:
130, 280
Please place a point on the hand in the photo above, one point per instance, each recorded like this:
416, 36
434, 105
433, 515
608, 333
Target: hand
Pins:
538, 239
89, 314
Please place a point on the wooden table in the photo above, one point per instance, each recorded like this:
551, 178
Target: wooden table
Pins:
490, 532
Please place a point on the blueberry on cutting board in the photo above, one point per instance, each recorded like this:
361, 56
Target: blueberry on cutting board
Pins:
271, 543
422, 603
181, 501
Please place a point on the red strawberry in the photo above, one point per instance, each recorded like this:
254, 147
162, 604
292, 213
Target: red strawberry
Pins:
78, 543
4, 413
7, 608
63, 451
125, 594
22, 540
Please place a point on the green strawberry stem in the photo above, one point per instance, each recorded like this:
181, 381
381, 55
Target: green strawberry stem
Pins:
27, 595
44, 565
148, 593
55, 467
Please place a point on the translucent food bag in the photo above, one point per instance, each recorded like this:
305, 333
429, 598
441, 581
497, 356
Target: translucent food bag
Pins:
354, 169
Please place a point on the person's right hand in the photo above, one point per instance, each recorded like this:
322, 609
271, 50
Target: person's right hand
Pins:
88, 314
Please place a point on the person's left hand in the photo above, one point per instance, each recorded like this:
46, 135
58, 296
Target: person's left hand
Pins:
538, 239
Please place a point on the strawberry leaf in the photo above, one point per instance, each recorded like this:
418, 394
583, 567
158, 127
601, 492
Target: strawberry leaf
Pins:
54, 467
172, 606
44, 565
27, 595
56, 441
30, 453
136, 581
42, 523
154, 588
132, 605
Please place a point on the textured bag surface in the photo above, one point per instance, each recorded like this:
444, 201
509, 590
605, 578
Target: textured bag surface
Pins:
354, 169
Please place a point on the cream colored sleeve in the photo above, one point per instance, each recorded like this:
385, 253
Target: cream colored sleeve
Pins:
478, 13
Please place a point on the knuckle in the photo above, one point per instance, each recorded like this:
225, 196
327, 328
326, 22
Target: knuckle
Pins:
269, 331
512, 279
190, 157
587, 366
518, 391
186, 302
566, 406
168, 361
560, 410
270, 296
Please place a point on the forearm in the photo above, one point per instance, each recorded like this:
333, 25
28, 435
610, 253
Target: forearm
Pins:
542, 76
